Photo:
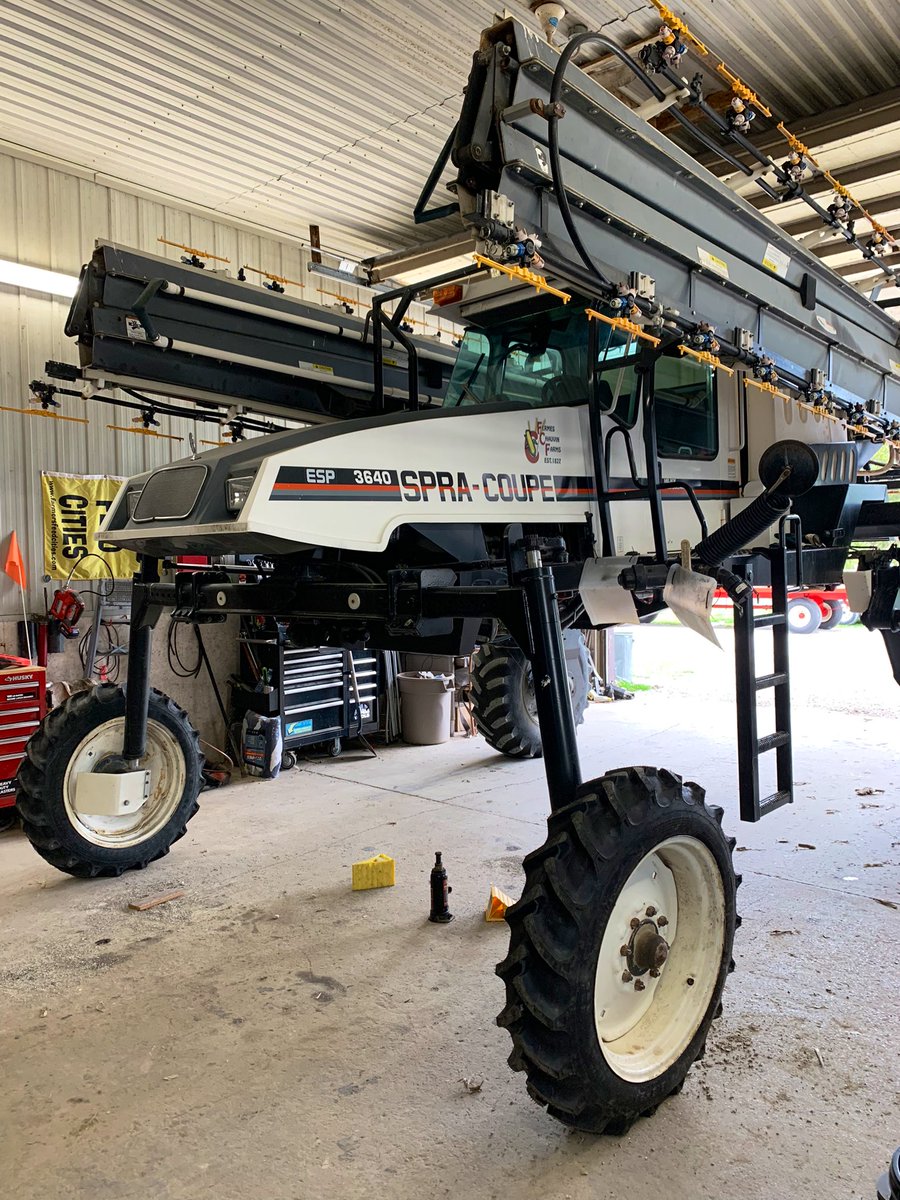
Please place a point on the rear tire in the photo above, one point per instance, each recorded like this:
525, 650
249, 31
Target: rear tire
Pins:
503, 694
73, 739
837, 611
636, 846
803, 616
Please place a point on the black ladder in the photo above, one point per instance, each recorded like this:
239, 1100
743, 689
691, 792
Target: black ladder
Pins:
748, 685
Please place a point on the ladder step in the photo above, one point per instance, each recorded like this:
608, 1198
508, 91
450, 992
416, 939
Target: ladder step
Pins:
776, 800
772, 741
778, 679
769, 620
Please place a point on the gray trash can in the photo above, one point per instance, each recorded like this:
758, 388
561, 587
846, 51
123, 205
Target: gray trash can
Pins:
623, 643
424, 708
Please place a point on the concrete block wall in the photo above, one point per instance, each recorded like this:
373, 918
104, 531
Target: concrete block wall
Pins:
196, 696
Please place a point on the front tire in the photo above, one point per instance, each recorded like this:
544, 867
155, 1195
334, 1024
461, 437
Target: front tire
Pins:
75, 738
635, 878
503, 698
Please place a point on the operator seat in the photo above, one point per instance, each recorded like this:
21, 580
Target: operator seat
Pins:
564, 389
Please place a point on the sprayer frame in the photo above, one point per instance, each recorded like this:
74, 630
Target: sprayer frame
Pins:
400, 610
527, 607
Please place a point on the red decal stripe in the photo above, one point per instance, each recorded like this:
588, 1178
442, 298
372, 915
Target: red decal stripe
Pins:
337, 487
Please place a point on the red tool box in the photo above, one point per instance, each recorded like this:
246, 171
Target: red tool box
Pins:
23, 703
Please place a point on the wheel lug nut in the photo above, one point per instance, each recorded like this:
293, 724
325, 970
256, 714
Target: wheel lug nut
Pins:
651, 911
634, 922
654, 973
623, 950
639, 985
627, 977
662, 922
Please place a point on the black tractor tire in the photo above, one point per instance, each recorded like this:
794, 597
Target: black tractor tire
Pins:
51, 825
595, 846
838, 611
503, 694
803, 615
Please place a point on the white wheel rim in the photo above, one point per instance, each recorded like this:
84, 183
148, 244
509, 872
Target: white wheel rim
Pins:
164, 760
677, 888
529, 697
799, 616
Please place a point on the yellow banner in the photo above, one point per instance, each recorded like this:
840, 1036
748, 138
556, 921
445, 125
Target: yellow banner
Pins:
74, 507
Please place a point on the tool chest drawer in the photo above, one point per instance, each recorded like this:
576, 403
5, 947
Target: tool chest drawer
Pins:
23, 704
14, 695
321, 693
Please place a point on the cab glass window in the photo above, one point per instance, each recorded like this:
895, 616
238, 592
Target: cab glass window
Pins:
686, 417
538, 360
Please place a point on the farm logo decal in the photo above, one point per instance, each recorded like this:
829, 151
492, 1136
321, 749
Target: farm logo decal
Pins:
533, 441
542, 441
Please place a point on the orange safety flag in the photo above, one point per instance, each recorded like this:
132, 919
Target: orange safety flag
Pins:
14, 566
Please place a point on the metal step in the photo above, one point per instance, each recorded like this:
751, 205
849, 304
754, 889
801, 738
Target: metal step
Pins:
772, 741
776, 800
769, 621
771, 681
748, 685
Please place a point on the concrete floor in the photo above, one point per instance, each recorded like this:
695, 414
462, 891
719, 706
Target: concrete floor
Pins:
273, 1035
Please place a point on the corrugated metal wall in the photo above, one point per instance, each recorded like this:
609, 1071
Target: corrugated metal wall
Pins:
51, 219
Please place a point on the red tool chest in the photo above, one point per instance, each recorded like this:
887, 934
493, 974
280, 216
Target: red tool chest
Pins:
23, 703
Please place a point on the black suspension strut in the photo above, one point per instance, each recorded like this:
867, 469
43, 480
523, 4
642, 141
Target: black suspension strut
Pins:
137, 688
551, 678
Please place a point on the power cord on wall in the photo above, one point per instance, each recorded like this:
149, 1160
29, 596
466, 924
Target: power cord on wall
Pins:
203, 658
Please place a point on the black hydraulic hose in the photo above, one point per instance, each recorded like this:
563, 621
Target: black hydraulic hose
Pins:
562, 198
716, 149
737, 533
139, 308
420, 212
657, 91
204, 658
797, 191
695, 503
161, 408
553, 120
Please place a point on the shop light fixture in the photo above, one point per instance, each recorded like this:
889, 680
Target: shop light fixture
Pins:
36, 279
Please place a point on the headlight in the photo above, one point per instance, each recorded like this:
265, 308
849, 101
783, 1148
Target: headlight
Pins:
237, 489
131, 500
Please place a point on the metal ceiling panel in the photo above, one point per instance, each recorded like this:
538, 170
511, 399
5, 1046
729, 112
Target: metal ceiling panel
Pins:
288, 112
802, 58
